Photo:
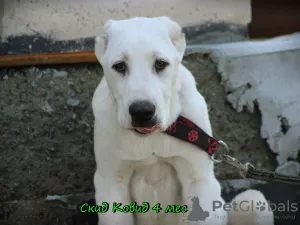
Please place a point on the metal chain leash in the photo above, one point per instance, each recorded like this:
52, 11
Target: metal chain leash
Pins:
247, 170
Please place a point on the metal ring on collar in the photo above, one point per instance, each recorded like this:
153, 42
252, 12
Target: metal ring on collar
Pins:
213, 157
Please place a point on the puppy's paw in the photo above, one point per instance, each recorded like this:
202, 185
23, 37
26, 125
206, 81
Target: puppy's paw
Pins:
254, 212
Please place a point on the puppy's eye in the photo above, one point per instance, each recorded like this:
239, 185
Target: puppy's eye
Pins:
120, 67
160, 65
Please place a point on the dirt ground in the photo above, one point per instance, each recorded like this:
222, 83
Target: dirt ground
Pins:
46, 133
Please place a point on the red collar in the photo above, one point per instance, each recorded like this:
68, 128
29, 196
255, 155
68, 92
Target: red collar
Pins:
186, 130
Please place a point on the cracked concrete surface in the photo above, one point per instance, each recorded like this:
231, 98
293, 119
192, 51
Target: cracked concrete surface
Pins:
266, 73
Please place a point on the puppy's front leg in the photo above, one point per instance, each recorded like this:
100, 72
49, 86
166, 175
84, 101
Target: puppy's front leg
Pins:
112, 186
204, 197
200, 191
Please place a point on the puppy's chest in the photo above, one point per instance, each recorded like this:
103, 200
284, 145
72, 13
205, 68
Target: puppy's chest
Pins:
147, 147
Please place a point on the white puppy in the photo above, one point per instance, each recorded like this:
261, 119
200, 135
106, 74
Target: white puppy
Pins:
145, 87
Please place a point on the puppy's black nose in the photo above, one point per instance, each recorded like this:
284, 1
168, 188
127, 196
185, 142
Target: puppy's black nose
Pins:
142, 111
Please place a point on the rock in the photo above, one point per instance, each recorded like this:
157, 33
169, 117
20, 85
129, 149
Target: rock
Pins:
61, 198
31, 70
39, 75
73, 102
88, 130
258, 164
48, 72
290, 168
5, 77
59, 73
33, 84
55, 73
238, 184
46, 107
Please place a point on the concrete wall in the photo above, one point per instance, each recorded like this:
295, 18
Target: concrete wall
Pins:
70, 19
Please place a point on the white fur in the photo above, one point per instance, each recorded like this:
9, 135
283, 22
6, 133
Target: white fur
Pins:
155, 168
254, 216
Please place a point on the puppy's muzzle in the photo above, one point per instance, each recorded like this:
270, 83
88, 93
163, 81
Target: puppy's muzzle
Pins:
142, 114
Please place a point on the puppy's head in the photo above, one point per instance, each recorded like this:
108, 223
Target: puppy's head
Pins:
140, 58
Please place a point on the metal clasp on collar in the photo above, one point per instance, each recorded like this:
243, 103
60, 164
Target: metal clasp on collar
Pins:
214, 157
225, 157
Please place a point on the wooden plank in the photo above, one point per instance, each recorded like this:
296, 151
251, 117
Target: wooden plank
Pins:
48, 58
271, 18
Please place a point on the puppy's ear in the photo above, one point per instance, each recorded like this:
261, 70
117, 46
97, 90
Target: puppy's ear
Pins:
176, 35
101, 42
